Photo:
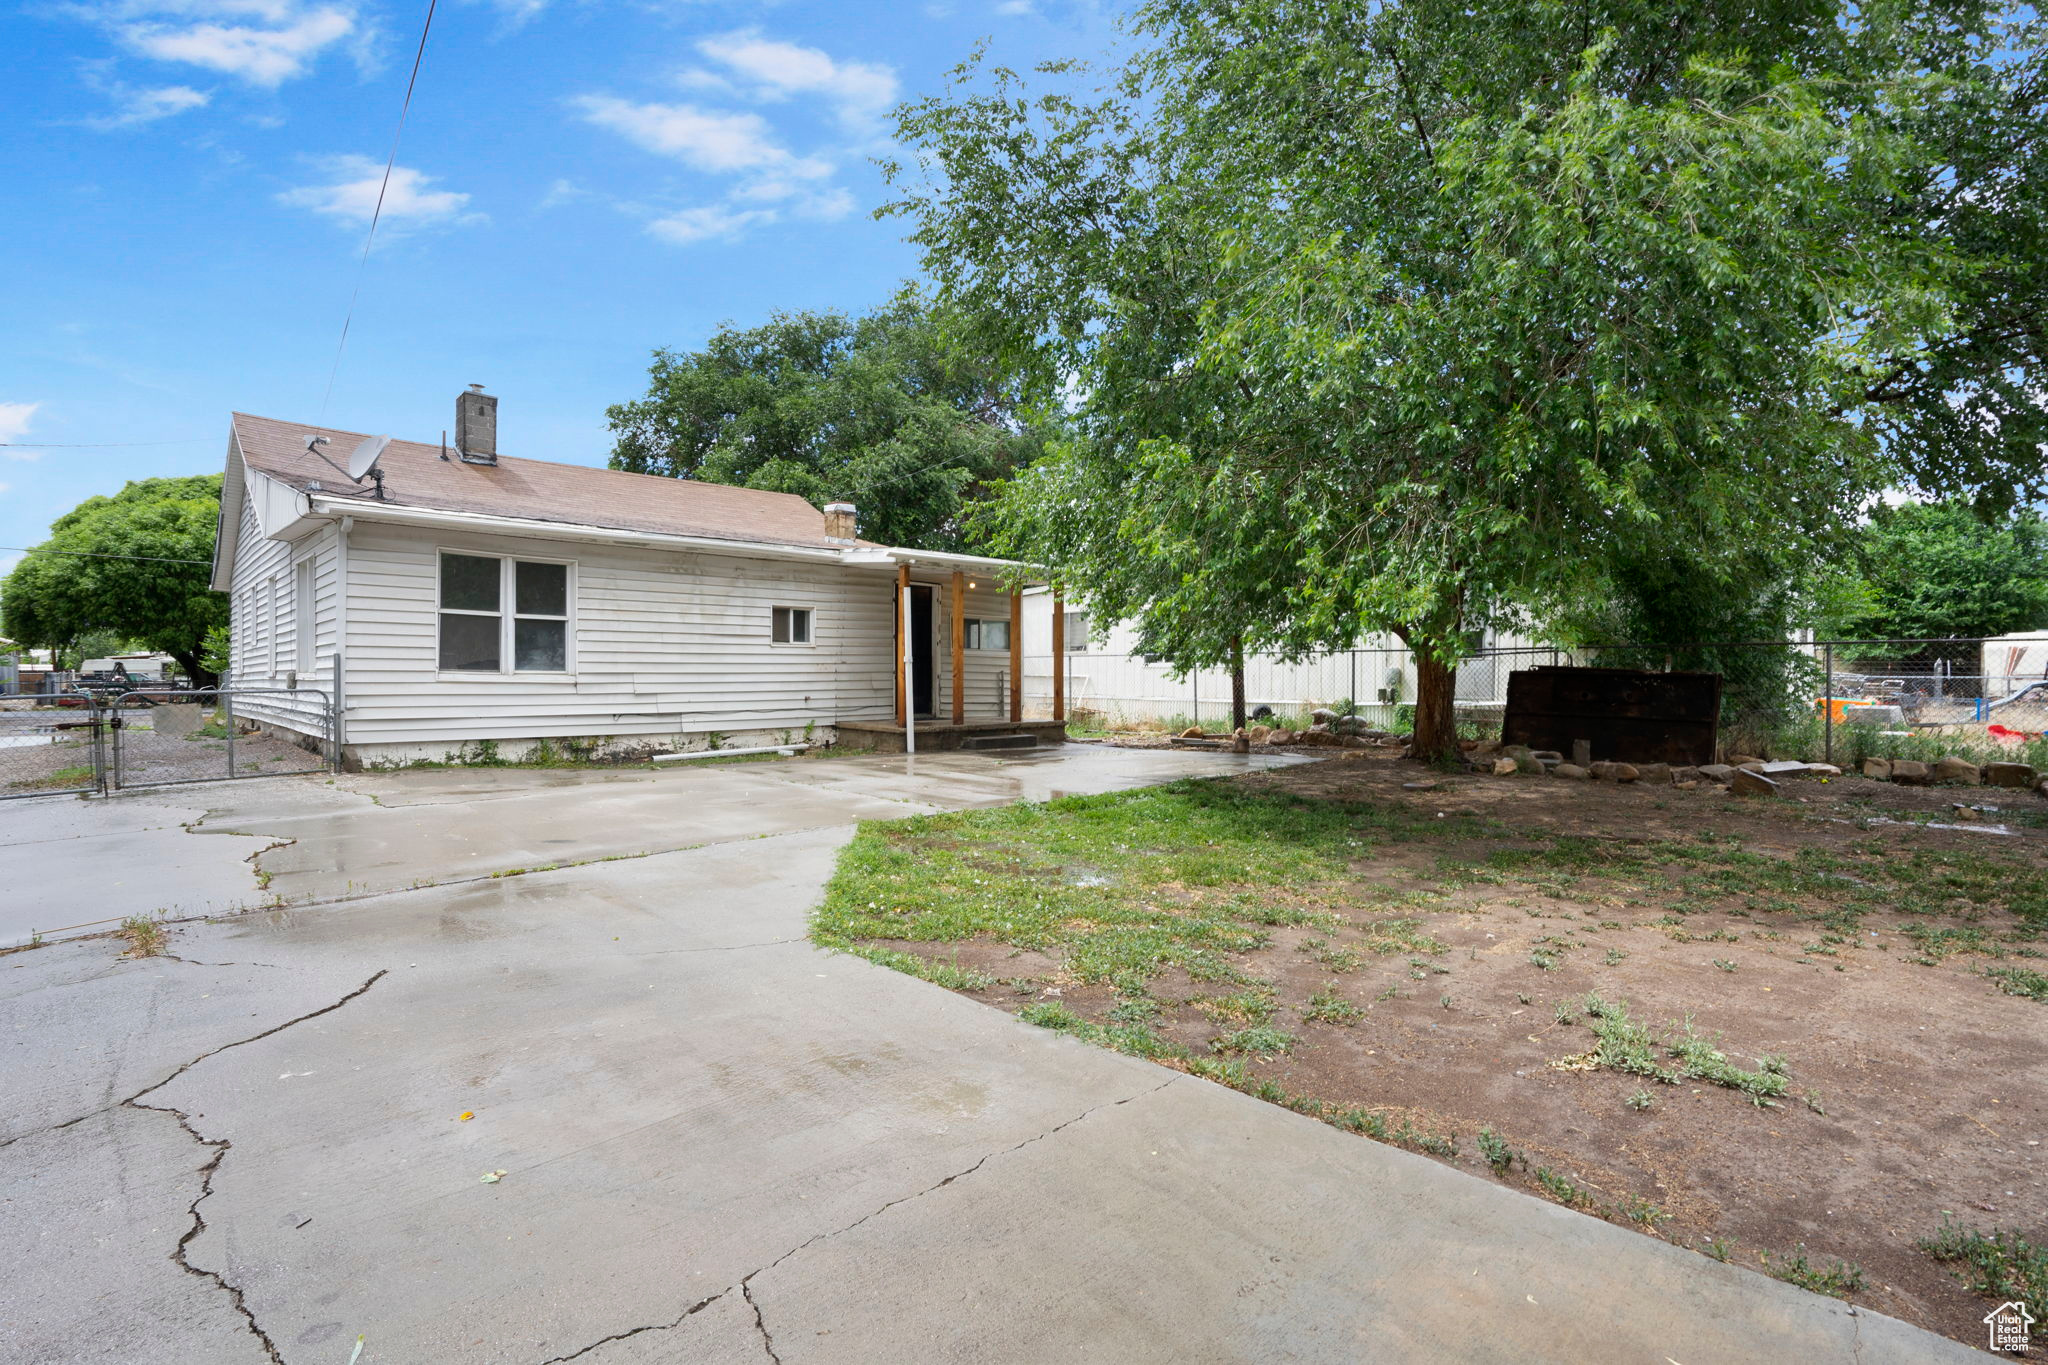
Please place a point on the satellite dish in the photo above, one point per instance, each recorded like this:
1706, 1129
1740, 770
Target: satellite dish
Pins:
363, 458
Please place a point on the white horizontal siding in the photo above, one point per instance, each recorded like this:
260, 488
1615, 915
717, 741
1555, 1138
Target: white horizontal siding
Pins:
263, 614
662, 644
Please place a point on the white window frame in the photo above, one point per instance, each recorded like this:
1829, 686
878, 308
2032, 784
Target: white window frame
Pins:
1076, 639
305, 588
971, 634
507, 614
810, 640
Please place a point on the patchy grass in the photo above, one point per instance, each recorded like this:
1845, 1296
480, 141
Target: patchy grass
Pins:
1623, 1045
1998, 1265
2020, 981
145, 935
1837, 1279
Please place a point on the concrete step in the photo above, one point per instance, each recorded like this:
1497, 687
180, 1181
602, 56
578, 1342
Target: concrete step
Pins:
1019, 741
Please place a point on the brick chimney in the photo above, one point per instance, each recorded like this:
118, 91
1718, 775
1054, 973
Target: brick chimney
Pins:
476, 426
840, 522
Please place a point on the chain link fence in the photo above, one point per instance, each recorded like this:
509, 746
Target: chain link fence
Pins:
1838, 701
77, 741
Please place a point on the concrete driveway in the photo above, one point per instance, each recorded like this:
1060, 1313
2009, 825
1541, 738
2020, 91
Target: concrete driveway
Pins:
718, 1143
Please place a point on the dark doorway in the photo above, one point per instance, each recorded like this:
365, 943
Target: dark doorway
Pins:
920, 650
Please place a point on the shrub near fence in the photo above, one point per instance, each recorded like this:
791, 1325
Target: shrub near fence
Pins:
1837, 701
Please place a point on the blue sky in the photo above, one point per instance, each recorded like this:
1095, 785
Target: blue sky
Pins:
579, 182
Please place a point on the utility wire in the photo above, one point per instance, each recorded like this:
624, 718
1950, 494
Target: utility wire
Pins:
97, 445
376, 214
87, 554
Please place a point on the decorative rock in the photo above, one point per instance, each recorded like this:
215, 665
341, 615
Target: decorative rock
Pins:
1968, 814
1546, 755
1783, 768
1654, 774
1755, 765
1505, 767
1350, 725
1240, 743
1192, 732
1354, 741
2010, 774
1685, 774
1281, 737
1908, 771
1688, 785
1322, 715
1953, 769
1738, 760
1569, 770
1822, 770
1320, 739
1261, 733
1748, 782
1615, 772
1582, 753
1878, 768
1717, 772
1321, 727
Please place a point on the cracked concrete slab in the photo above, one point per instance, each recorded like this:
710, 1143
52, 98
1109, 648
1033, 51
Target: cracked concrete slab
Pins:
67, 861
722, 1144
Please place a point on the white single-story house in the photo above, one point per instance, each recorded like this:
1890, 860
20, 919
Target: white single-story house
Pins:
463, 603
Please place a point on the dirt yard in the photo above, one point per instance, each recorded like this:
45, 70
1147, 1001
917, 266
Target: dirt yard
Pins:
1801, 1034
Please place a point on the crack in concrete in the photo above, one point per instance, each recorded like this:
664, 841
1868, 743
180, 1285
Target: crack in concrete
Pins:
746, 1282
221, 1147
760, 1325
695, 1308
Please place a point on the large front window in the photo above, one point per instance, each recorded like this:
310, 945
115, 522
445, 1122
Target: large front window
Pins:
478, 632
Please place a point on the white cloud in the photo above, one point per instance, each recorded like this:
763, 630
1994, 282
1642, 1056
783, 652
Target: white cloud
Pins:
14, 420
708, 222
705, 140
766, 180
264, 42
351, 195
1016, 8
860, 92
137, 106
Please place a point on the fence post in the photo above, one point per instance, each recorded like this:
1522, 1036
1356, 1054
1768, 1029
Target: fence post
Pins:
1195, 681
1828, 702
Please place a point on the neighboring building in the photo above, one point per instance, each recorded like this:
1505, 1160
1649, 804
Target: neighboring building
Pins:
142, 665
475, 598
1104, 673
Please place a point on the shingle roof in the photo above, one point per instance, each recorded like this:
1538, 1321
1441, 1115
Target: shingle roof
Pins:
415, 475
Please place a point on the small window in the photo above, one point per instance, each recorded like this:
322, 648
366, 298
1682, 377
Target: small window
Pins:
988, 634
1077, 632
792, 626
540, 623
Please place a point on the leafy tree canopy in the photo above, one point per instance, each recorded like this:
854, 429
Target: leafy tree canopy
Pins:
887, 411
64, 589
1402, 314
1929, 571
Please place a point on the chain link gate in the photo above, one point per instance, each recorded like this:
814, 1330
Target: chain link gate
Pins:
79, 742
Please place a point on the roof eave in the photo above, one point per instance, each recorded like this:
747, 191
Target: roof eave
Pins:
366, 510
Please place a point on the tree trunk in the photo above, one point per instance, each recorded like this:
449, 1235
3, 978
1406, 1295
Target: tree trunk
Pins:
1237, 717
1436, 718
199, 673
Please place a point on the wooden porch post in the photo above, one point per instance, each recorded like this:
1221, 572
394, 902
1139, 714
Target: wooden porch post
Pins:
902, 635
1016, 657
1059, 657
959, 646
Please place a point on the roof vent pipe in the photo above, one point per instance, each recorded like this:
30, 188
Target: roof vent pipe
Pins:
476, 426
840, 522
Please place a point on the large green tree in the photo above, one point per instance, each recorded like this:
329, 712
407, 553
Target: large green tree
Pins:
887, 411
135, 564
1933, 571
1403, 315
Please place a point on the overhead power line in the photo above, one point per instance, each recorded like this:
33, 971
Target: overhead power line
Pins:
97, 445
88, 554
377, 213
